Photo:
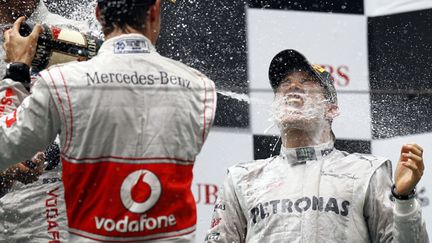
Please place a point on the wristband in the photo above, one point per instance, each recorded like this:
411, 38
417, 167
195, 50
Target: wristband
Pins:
19, 72
400, 197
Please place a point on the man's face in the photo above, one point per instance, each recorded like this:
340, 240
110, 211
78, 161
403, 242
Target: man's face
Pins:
299, 101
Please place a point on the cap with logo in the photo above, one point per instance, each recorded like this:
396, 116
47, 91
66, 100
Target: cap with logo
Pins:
288, 60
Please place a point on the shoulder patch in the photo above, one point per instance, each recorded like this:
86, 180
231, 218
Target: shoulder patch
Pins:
126, 46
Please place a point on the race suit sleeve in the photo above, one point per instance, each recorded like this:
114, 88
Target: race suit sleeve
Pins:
11, 95
228, 222
31, 127
388, 219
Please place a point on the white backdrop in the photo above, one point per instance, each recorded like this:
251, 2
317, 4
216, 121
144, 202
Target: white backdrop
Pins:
385, 7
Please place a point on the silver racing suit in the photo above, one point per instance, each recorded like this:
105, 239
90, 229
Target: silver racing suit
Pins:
314, 194
35, 212
131, 123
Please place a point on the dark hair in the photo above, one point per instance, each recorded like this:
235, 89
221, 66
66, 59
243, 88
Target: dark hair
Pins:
123, 14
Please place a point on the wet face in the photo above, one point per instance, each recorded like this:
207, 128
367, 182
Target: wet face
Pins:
299, 102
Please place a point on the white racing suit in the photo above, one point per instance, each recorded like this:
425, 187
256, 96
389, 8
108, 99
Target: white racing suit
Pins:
131, 123
35, 212
314, 194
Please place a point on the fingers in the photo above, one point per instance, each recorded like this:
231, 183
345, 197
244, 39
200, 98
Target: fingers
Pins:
37, 30
27, 175
22, 168
413, 167
413, 148
412, 159
18, 22
19, 48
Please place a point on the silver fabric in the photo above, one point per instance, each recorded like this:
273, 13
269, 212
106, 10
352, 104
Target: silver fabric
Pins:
128, 109
329, 197
35, 212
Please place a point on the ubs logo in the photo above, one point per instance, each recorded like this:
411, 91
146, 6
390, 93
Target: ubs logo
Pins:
140, 191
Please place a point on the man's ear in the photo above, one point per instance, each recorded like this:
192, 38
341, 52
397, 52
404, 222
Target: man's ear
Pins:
154, 11
332, 111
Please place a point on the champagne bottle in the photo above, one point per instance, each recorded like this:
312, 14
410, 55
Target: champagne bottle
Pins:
59, 45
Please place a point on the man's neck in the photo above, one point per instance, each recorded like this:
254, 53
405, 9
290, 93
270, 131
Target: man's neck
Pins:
295, 138
117, 32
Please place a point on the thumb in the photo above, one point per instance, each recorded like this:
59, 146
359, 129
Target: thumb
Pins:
18, 22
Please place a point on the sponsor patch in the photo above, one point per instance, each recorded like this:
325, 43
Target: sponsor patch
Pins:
220, 206
215, 222
304, 154
213, 236
300, 205
126, 46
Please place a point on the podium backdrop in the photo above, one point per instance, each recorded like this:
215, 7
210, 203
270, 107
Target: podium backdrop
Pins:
378, 51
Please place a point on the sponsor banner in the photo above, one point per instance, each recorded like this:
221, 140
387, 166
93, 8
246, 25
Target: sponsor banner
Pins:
145, 202
390, 148
338, 42
223, 148
385, 7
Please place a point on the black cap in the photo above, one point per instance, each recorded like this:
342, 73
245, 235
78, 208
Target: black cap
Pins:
288, 60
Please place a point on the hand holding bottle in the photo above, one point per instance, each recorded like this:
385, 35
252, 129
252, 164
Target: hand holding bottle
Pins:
19, 48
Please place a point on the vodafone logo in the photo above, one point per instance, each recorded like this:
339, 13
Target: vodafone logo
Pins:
140, 191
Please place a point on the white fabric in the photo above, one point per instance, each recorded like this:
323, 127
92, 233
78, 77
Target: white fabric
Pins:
35, 212
125, 118
316, 194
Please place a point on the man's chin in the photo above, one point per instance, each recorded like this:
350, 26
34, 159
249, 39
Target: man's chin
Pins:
294, 122
298, 122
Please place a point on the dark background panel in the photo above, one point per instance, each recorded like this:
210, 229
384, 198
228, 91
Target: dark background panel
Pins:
72, 9
335, 6
211, 37
399, 115
354, 146
231, 112
400, 57
267, 146
207, 35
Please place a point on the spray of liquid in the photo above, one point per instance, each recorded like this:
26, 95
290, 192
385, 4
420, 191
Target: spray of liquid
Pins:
300, 111
297, 110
